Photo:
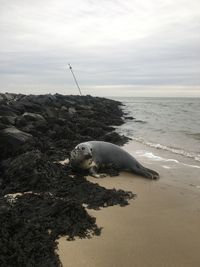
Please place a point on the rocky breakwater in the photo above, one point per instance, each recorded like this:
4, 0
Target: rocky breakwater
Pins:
41, 200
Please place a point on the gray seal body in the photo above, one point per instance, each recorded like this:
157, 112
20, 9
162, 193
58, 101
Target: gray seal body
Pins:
94, 154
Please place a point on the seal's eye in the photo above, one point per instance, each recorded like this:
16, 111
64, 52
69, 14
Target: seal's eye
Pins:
83, 148
91, 149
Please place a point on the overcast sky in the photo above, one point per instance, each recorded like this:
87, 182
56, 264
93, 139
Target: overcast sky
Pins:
116, 47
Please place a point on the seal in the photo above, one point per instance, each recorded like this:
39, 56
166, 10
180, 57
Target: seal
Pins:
93, 155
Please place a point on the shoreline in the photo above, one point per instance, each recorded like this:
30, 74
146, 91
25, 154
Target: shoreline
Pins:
176, 170
158, 228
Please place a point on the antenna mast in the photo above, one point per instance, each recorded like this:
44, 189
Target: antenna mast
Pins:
70, 67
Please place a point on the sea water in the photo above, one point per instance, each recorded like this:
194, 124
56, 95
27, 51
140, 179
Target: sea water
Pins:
168, 124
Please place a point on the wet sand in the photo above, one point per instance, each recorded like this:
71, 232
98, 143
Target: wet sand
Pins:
159, 228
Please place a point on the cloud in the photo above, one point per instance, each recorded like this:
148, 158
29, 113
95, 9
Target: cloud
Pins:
107, 42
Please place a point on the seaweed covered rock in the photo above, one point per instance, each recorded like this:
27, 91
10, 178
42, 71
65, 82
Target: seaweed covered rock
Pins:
41, 200
57, 122
30, 229
13, 141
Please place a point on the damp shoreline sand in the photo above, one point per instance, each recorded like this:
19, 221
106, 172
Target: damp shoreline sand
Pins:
160, 227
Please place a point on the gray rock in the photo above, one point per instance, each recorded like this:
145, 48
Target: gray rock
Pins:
8, 119
72, 111
50, 112
64, 108
33, 116
9, 97
14, 136
1, 98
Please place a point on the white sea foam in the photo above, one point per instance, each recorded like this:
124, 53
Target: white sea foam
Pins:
173, 150
166, 167
150, 155
193, 166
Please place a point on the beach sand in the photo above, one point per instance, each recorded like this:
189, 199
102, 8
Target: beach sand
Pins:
160, 227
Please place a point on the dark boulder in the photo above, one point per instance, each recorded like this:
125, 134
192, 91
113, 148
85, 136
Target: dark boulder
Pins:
33, 116
14, 136
13, 141
7, 120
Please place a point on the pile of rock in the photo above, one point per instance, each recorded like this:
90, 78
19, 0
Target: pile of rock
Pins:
55, 123
36, 131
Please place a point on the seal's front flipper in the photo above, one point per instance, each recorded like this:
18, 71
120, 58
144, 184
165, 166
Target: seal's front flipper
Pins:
100, 175
93, 173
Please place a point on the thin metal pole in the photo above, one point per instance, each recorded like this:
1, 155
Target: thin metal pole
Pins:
70, 67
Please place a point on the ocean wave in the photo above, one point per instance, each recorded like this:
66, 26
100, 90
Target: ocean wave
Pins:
140, 121
194, 135
167, 148
150, 155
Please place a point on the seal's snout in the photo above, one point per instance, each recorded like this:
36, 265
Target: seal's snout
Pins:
88, 156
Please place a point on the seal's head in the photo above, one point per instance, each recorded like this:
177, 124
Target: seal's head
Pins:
81, 156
